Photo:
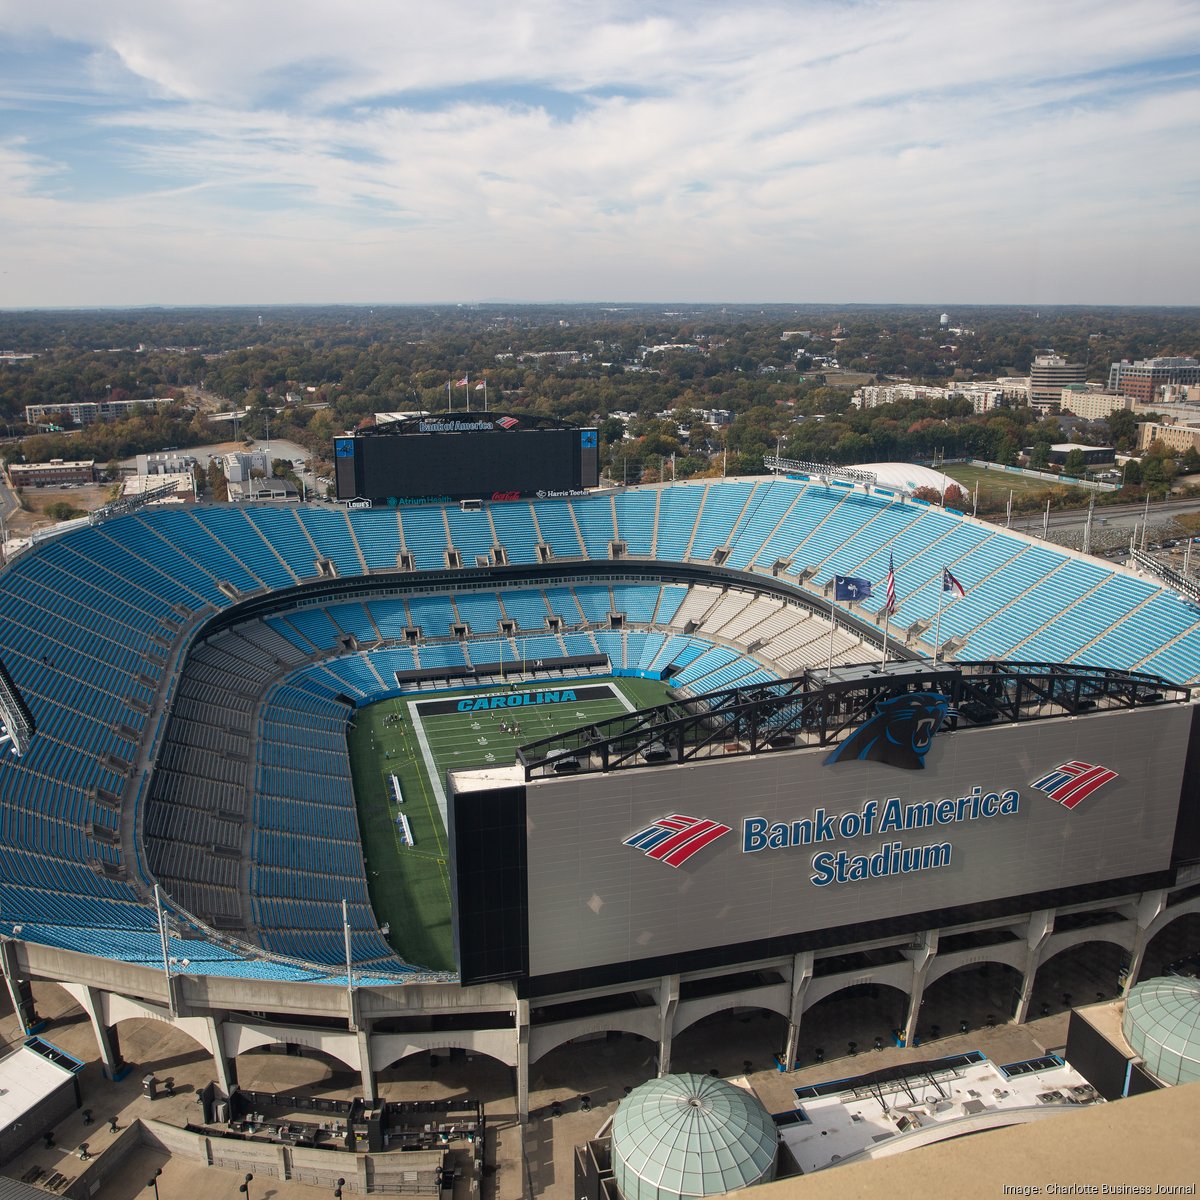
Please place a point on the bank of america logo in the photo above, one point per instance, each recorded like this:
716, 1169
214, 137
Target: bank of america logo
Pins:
676, 838
1071, 782
507, 422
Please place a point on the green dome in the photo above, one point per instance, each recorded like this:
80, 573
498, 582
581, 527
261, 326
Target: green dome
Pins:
690, 1135
1162, 1024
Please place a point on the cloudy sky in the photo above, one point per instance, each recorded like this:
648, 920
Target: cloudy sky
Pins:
1024, 151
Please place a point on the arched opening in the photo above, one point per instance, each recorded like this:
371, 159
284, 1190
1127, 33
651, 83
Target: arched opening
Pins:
603, 1067
448, 1072
975, 996
291, 1069
1083, 974
157, 1048
851, 1021
60, 1011
731, 1042
1174, 949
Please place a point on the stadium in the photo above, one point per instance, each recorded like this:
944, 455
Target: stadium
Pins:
710, 796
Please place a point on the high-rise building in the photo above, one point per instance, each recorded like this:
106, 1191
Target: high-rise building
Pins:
1048, 375
1143, 378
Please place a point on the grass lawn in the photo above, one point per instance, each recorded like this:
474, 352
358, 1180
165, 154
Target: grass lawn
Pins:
410, 885
994, 485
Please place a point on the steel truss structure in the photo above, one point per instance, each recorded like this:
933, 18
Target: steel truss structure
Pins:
821, 708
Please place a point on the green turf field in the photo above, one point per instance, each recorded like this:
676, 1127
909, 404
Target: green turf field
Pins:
410, 885
995, 485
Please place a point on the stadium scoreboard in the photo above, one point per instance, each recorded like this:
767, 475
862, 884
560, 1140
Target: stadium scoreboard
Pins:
684, 867
487, 456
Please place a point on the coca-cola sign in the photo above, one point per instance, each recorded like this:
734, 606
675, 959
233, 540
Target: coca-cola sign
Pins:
499, 496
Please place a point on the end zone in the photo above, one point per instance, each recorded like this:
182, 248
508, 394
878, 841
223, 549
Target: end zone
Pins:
511, 698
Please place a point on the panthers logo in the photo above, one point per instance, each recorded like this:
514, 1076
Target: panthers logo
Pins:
898, 734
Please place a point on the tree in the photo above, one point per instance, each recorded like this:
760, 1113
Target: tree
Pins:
217, 486
1075, 463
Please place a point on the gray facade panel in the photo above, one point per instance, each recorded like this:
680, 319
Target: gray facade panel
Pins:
594, 900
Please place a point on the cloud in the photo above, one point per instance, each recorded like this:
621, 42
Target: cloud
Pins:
766, 151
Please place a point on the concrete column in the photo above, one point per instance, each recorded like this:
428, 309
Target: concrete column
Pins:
365, 1069
522, 1068
922, 952
225, 1067
802, 972
19, 990
1149, 906
668, 1002
109, 1045
1039, 929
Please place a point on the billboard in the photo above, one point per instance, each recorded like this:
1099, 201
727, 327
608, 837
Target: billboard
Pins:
673, 860
486, 457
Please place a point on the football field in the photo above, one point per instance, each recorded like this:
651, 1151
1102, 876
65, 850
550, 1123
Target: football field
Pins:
417, 740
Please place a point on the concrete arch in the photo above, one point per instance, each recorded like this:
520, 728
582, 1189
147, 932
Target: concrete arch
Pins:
1010, 954
898, 976
692, 1012
1173, 947
1164, 918
1078, 974
545, 1038
981, 991
1121, 934
239, 1038
388, 1049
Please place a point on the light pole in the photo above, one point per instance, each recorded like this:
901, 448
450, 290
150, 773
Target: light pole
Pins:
245, 1186
337, 1191
154, 1182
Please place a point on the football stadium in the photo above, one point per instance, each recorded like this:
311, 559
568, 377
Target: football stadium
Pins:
495, 775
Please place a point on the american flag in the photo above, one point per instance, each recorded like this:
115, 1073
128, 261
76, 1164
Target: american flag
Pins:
890, 606
462, 382
950, 584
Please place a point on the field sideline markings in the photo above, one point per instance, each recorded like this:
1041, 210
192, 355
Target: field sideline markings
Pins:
435, 783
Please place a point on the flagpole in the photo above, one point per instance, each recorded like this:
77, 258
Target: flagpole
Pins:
467, 377
449, 401
883, 660
485, 403
937, 635
832, 622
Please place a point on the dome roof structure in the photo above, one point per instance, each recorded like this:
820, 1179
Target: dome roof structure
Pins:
907, 477
690, 1135
1162, 1024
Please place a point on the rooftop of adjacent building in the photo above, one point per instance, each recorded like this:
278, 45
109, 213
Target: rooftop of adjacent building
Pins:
1147, 1142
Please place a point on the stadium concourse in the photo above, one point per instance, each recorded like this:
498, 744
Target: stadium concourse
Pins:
191, 673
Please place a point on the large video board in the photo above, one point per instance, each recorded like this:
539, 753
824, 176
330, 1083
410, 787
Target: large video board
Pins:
477, 457
755, 850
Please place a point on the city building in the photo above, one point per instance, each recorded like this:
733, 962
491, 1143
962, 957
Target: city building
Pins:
1048, 375
1092, 455
167, 463
1092, 404
1179, 438
56, 471
88, 412
1143, 378
984, 397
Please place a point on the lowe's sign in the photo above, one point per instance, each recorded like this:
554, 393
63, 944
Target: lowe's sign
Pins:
876, 819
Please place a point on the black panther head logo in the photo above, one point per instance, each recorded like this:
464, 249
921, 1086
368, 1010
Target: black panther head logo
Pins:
898, 734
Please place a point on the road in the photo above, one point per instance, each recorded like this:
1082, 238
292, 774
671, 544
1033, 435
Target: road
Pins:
1119, 516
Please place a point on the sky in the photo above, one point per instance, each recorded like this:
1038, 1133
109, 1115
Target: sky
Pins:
392, 151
